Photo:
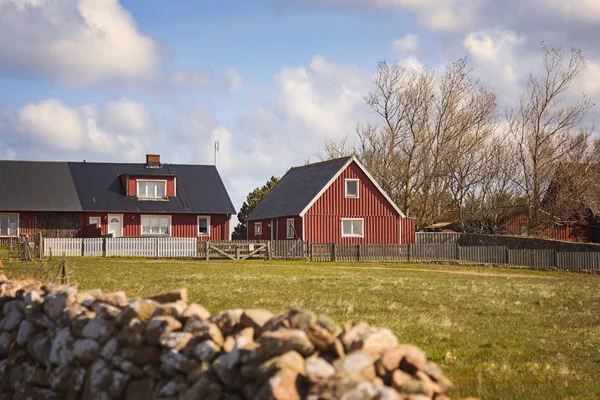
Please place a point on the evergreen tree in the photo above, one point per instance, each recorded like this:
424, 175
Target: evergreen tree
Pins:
252, 200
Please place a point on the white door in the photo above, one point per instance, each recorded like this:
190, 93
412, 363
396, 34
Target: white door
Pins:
115, 225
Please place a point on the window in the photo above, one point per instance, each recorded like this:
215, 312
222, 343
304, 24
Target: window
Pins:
9, 224
95, 221
151, 189
351, 187
257, 228
156, 225
291, 232
352, 227
203, 226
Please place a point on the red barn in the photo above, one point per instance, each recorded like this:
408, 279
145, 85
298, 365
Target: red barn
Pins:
85, 199
335, 201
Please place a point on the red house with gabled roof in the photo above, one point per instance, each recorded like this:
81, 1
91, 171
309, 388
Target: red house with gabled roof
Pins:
335, 201
91, 199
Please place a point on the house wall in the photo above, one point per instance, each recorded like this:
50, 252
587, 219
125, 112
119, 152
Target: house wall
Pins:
182, 225
132, 184
382, 223
281, 228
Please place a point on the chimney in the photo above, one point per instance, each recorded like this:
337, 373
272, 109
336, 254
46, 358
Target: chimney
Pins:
153, 160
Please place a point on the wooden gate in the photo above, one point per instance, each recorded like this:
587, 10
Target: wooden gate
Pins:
235, 250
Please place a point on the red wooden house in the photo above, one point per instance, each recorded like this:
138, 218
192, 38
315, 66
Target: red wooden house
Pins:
335, 201
84, 199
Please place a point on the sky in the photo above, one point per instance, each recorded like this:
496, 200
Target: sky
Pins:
271, 80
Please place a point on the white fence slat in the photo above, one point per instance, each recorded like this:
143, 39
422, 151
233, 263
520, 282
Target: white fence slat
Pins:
69, 246
92, 247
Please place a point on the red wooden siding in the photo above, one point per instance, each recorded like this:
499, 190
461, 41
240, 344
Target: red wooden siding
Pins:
323, 219
132, 184
182, 225
281, 228
408, 229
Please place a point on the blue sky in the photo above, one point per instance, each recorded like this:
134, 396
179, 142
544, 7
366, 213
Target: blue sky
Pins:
110, 80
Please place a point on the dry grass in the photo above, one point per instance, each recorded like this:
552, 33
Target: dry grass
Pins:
497, 333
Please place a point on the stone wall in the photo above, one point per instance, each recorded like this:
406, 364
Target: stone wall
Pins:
56, 342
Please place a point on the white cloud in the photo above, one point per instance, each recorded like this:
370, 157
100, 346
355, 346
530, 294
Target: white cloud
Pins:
50, 129
77, 42
234, 79
124, 115
584, 10
495, 59
53, 124
409, 42
192, 79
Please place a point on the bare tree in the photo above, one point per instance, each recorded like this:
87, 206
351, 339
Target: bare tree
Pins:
543, 126
431, 125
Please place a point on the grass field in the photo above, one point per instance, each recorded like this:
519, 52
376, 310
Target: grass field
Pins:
497, 333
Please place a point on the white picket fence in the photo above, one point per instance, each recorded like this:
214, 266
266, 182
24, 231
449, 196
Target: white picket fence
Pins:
124, 247
58, 247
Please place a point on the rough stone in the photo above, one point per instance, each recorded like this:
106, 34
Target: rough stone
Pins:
36, 376
171, 297
176, 340
317, 369
146, 355
6, 339
197, 311
86, 351
39, 348
414, 359
79, 322
284, 340
159, 326
133, 334
178, 361
142, 389
255, 319
284, 385
62, 346
97, 329
389, 361
358, 366
369, 339
227, 320
107, 311
175, 309
12, 321
207, 350
88, 298
118, 383
55, 303
139, 309
110, 349
117, 299
204, 329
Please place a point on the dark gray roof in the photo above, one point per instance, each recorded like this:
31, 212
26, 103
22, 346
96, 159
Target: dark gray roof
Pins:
37, 186
297, 189
85, 186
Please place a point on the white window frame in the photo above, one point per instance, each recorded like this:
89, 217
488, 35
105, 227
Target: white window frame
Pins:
207, 218
348, 196
287, 228
137, 189
258, 229
18, 224
170, 217
99, 219
352, 235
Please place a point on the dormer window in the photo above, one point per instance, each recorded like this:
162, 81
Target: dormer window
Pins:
151, 190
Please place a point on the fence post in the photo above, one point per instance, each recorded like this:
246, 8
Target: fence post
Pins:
333, 252
156, 249
554, 258
408, 252
358, 252
206, 247
506, 255
237, 252
311, 251
457, 252
269, 250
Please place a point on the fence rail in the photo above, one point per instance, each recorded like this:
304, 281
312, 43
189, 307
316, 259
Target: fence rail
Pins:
442, 250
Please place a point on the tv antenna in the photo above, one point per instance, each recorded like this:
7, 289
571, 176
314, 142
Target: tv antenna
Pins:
216, 151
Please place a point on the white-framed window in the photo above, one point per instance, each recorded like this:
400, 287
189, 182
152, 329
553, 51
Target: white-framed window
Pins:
95, 221
156, 225
203, 225
151, 189
291, 232
9, 225
351, 188
257, 228
353, 227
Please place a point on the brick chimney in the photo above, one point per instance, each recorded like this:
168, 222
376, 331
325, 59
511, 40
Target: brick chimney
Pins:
153, 160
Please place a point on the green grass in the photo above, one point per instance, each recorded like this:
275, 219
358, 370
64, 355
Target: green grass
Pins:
497, 333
